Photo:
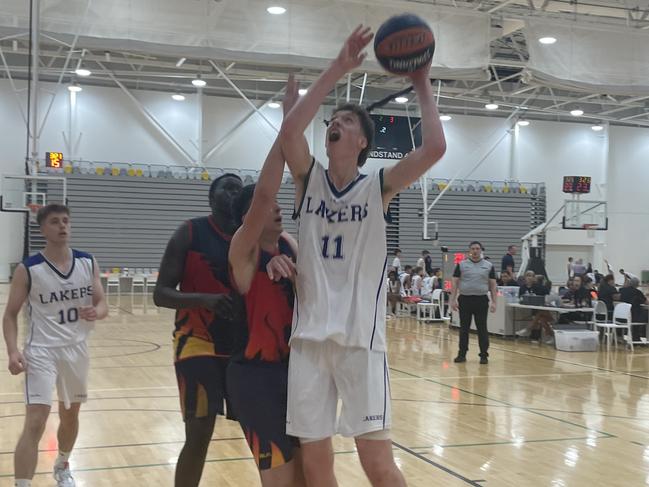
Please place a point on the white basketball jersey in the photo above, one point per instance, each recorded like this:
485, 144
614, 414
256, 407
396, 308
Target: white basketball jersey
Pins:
341, 262
55, 299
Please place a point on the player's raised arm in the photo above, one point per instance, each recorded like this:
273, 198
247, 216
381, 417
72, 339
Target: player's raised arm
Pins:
433, 143
294, 145
245, 242
17, 296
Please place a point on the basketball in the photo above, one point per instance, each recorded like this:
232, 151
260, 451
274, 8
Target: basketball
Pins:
403, 44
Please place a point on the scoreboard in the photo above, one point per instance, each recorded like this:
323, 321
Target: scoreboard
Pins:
54, 160
576, 184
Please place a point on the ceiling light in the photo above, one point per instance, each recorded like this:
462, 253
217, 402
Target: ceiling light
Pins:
181, 61
274, 104
523, 123
548, 40
491, 106
302, 91
107, 56
401, 99
83, 72
198, 82
178, 97
445, 118
74, 88
577, 112
276, 10
598, 127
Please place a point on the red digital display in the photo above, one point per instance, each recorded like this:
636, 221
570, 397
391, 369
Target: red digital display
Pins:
54, 160
576, 184
458, 257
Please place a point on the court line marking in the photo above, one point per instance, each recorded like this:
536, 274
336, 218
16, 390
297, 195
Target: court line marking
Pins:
513, 406
105, 390
455, 474
214, 460
129, 445
495, 443
576, 364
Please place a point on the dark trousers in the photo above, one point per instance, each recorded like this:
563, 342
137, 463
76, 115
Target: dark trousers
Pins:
475, 307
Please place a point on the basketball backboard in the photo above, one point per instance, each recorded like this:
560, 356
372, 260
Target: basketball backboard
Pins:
19, 193
585, 215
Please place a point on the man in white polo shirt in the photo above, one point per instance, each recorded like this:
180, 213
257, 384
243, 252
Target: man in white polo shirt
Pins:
473, 279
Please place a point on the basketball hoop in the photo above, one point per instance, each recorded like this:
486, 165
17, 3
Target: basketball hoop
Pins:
590, 229
33, 211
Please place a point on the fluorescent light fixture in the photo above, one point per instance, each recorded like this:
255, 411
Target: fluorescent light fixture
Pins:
276, 10
597, 127
548, 40
445, 118
198, 82
401, 99
273, 104
523, 123
302, 91
83, 72
181, 61
178, 97
74, 88
577, 112
491, 106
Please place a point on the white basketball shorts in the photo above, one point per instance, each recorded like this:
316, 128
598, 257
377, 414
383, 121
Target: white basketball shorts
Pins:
321, 373
66, 367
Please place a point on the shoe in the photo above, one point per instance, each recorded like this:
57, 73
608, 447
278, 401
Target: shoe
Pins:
484, 360
459, 359
523, 333
63, 476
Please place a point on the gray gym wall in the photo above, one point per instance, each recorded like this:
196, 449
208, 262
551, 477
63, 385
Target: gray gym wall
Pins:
127, 221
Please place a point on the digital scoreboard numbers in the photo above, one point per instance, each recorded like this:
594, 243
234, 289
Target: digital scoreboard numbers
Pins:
576, 184
54, 160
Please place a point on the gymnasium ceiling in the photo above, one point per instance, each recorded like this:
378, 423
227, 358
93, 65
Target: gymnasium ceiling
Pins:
505, 81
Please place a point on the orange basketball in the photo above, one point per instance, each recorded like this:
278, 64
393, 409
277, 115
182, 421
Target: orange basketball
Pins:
403, 44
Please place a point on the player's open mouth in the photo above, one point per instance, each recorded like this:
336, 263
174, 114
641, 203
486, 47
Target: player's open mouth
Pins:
334, 136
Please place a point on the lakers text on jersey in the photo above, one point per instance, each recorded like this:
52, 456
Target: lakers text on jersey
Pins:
55, 300
342, 262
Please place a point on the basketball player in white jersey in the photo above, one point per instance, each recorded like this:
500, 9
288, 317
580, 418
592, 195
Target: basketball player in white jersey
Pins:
338, 345
64, 297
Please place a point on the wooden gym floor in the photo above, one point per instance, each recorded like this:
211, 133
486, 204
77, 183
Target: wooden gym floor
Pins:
532, 417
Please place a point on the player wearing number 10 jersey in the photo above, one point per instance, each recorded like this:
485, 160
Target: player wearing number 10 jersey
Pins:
64, 297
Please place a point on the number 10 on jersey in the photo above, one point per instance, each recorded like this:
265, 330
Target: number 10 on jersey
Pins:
338, 250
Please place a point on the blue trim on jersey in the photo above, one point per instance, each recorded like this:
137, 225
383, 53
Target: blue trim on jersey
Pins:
378, 295
346, 189
79, 254
58, 272
296, 212
34, 260
385, 387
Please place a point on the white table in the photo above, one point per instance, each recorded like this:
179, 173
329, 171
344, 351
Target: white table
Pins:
553, 309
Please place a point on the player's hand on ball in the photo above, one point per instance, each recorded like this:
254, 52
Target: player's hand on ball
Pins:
291, 95
351, 55
422, 75
281, 266
88, 313
16, 363
221, 304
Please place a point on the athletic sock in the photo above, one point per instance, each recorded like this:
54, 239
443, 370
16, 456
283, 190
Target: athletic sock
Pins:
62, 457
23, 483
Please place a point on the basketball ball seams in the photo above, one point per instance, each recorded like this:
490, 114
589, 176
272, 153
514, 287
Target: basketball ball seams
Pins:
410, 63
404, 42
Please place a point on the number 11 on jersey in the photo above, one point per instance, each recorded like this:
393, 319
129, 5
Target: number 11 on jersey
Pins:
338, 241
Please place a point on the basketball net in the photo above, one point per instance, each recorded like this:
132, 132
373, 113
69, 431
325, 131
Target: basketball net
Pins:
33, 211
590, 230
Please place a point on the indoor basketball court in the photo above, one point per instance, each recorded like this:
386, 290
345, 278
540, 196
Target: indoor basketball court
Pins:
136, 116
